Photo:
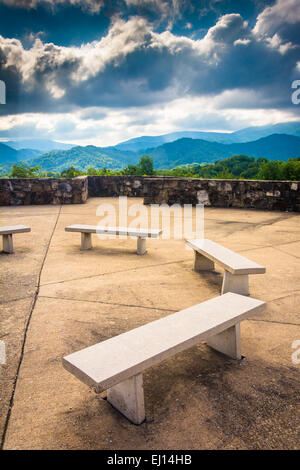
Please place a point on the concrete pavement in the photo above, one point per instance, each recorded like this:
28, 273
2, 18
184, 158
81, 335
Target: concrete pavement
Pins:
56, 299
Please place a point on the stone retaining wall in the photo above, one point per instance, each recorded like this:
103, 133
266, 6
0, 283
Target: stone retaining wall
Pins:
111, 186
269, 195
26, 191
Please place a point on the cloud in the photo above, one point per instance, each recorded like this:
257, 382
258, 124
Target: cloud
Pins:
92, 6
228, 29
106, 126
136, 66
162, 10
281, 19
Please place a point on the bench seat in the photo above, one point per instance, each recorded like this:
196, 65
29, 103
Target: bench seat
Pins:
7, 232
117, 364
87, 230
237, 267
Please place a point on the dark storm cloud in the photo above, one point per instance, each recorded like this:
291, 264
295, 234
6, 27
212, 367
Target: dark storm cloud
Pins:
281, 19
134, 65
68, 22
93, 6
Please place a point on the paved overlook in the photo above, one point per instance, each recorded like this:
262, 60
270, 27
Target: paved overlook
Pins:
56, 299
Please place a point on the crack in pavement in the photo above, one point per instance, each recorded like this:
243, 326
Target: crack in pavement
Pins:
111, 272
274, 321
286, 252
255, 225
107, 303
156, 265
35, 297
284, 296
148, 308
16, 300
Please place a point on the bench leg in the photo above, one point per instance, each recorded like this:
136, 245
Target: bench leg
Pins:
237, 283
8, 246
141, 246
228, 342
128, 398
86, 241
201, 263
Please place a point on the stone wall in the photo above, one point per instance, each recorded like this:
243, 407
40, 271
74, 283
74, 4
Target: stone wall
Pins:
269, 195
25, 191
111, 186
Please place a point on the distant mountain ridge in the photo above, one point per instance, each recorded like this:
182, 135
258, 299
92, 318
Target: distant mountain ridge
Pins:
243, 135
188, 151
42, 145
169, 155
144, 142
83, 157
11, 155
253, 133
279, 141
8, 154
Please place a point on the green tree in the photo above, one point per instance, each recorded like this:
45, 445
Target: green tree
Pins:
132, 170
52, 174
70, 173
270, 171
92, 171
290, 170
21, 170
225, 175
146, 165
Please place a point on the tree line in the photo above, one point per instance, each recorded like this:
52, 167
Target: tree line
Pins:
236, 167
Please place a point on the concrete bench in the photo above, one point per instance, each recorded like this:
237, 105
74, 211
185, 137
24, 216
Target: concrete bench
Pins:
116, 365
7, 234
237, 267
87, 230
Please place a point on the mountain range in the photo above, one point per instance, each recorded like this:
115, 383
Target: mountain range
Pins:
188, 151
277, 142
42, 145
244, 135
169, 155
10, 155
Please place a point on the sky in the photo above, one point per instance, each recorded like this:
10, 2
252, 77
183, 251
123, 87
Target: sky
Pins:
103, 71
